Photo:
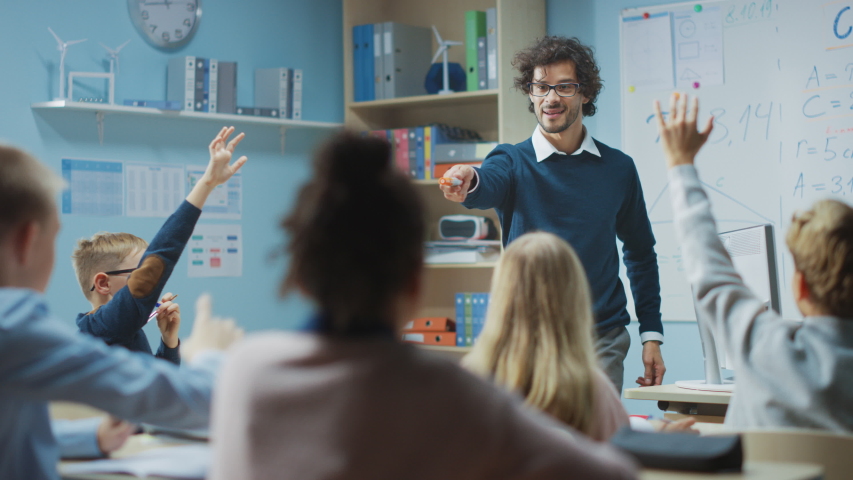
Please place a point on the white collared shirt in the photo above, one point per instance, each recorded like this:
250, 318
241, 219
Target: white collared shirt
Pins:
545, 149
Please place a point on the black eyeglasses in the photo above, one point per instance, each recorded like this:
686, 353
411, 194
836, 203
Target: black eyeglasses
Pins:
114, 272
562, 89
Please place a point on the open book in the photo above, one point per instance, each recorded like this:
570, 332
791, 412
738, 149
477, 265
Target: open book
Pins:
184, 461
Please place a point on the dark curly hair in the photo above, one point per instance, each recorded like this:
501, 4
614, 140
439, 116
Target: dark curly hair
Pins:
356, 234
553, 49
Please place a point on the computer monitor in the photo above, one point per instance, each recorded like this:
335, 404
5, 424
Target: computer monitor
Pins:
753, 253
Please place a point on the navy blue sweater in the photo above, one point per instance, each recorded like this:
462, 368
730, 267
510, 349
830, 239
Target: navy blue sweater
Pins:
120, 321
589, 201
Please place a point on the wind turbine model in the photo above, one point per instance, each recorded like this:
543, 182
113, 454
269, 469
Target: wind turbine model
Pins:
443, 45
114, 67
62, 47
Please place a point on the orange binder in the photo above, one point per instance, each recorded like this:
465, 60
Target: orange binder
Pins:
430, 324
447, 339
441, 168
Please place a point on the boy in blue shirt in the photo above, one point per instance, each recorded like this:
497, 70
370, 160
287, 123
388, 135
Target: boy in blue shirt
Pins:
42, 360
123, 278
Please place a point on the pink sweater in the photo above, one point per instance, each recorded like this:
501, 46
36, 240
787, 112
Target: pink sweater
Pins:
304, 406
610, 414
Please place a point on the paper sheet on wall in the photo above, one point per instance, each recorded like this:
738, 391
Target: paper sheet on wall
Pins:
95, 187
153, 190
647, 49
216, 251
225, 202
698, 48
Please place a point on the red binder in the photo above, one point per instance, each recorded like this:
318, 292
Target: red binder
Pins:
447, 339
430, 324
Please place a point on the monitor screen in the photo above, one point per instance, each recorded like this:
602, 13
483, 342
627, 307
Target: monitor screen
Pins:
753, 253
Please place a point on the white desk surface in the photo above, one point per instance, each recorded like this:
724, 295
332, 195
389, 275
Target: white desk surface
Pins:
751, 471
671, 393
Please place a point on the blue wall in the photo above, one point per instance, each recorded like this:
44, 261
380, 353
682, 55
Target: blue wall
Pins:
256, 34
596, 23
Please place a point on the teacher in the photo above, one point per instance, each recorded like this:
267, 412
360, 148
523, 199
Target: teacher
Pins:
563, 181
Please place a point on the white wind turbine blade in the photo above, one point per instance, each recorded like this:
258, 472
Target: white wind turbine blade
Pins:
122, 46
438, 53
58, 40
451, 43
437, 36
72, 42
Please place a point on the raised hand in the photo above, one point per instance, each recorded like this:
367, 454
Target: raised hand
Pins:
219, 168
209, 332
679, 137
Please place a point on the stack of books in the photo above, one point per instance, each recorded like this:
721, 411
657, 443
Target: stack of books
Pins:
427, 152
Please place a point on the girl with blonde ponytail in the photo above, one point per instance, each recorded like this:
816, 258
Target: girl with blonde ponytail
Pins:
538, 336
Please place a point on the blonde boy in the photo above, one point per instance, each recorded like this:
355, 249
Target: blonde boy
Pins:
41, 359
123, 277
789, 373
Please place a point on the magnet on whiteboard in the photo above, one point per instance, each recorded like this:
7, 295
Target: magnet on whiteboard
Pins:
631, 89
697, 8
695, 84
646, 15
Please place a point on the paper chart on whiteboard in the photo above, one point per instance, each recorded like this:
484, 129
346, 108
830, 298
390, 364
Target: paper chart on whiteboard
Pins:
216, 251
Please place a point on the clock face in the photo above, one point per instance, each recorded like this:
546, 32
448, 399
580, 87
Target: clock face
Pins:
165, 23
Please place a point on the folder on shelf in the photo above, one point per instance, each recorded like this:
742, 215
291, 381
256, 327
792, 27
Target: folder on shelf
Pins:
439, 169
211, 85
357, 63
401, 149
482, 70
413, 153
419, 153
475, 27
430, 324
273, 89
367, 67
186, 82
407, 55
227, 88
159, 104
296, 94
445, 339
492, 47
428, 153
378, 82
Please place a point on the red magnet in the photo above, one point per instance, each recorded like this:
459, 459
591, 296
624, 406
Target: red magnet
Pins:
646, 15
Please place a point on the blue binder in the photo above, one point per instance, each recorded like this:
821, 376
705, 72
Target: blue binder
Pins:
357, 64
367, 63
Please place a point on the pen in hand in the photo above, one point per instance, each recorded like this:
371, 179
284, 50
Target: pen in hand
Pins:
157, 305
450, 181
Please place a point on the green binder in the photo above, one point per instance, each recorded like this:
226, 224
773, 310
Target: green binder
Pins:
475, 27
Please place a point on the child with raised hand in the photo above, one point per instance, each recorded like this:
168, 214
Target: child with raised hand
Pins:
42, 359
346, 399
123, 277
789, 373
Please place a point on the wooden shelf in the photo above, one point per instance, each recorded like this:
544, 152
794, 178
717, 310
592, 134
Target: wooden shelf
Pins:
439, 348
101, 109
457, 99
462, 265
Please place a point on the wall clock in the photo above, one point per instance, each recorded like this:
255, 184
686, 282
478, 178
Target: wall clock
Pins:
165, 23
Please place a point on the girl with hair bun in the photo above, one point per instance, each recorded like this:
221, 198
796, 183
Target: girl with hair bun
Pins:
345, 399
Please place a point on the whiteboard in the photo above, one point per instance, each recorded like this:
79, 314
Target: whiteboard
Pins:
783, 134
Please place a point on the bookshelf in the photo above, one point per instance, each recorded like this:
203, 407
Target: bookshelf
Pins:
102, 109
498, 114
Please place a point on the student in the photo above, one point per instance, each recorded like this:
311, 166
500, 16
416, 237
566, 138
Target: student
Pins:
346, 399
789, 373
123, 277
538, 338
41, 359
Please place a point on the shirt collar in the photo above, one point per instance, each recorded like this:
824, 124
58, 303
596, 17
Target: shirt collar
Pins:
544, 149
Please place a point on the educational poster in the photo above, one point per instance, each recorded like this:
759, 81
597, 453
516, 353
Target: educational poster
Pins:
647, 52
216, 251
698, 48
225, 202
153, 190
95, 187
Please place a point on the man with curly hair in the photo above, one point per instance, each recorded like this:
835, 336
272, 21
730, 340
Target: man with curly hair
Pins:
563, 181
